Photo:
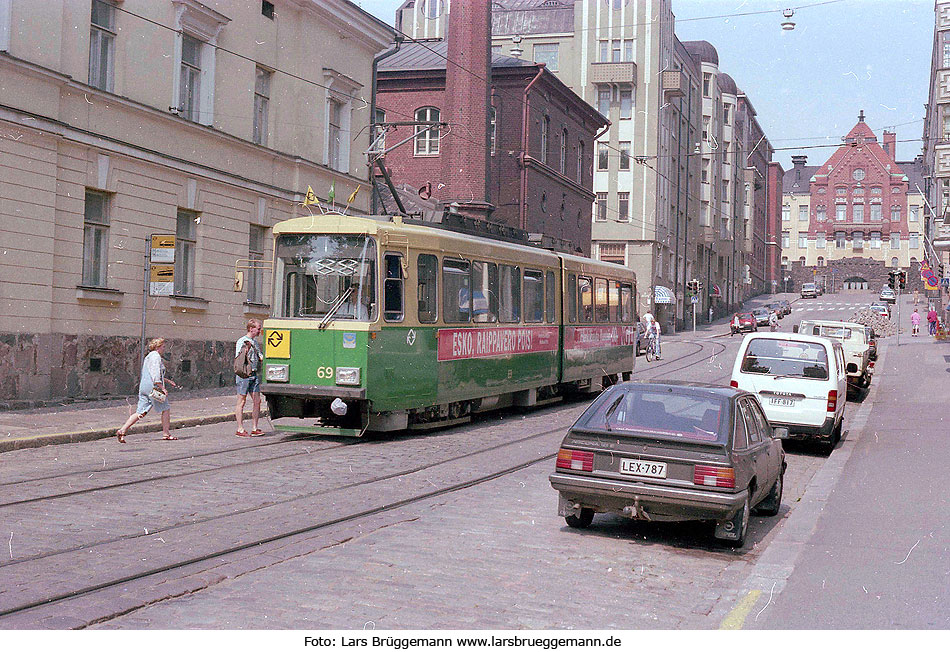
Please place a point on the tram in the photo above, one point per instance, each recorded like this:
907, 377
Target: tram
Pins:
380, 324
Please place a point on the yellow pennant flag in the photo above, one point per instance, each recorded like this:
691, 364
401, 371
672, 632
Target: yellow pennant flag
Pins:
352, 197
311, 198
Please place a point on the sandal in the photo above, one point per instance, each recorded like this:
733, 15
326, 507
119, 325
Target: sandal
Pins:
170, 438
257, 432
243, 433
121, 436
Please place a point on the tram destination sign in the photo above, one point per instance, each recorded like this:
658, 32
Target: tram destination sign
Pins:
466, 343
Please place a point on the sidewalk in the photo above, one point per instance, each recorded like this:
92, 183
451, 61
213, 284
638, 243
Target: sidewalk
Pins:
100, 419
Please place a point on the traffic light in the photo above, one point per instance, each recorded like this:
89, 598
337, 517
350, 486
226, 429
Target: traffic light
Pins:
903, 279
691, 286
892, 280
699, 287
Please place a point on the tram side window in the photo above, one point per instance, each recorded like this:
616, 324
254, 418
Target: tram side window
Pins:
549, 297
571, 298
456, 290
601, 310
393, 305
585, 295
626, 303
533, 296
613, 300
426, 291
484, 292
509, 294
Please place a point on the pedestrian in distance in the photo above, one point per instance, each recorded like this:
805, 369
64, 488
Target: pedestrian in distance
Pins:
773, 321
932, 320
735, 325
915, 323
916, 297
252, 384
153, 391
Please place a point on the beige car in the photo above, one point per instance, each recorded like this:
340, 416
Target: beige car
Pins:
855, 341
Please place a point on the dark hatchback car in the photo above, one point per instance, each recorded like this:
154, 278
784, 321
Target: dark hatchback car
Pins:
761, 316
672, 452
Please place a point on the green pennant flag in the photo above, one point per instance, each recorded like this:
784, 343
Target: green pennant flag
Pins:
332, 194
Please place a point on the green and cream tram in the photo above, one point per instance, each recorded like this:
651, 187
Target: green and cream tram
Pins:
384, 325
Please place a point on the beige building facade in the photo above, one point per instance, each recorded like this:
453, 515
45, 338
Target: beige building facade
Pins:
936, 152
120, 120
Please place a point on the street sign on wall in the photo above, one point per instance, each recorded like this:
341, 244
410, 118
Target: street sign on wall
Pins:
163, 249
161, 280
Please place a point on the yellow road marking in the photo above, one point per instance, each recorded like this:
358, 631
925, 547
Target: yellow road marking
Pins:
737, 616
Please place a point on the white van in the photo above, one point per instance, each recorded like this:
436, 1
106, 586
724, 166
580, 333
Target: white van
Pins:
800, 381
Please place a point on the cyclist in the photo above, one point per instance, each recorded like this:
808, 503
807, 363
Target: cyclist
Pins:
652, 333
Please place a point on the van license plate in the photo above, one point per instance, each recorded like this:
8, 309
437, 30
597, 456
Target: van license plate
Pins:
639, 467
786, 402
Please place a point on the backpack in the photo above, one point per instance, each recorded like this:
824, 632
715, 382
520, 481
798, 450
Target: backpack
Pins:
244, 365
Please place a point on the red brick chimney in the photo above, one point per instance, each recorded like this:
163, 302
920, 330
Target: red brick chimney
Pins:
467, 96
890, 144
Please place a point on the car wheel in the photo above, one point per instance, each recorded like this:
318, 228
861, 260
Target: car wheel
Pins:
733, 532
582, 520
773, 501
835, 438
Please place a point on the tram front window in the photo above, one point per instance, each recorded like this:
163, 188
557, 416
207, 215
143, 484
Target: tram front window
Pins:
317, 275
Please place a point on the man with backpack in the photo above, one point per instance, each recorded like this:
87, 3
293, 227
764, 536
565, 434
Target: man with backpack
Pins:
247, 366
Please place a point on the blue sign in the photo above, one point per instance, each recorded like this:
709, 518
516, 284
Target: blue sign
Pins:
945, 282
834, 270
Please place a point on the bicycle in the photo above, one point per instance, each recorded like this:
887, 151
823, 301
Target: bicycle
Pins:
653, 349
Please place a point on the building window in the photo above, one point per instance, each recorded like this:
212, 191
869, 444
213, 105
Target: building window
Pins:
820, 240
841, 191
185, 245
802, 241
545, 136
704, 214
603, 156
857, 213
841, 212
255, 255
914, 213
604, 51
625, 155
895, 241
914, 241
615, 52
626, 104
821, 261
601, 207
628, 49
820, 214
624, 206
546, 53
705, 171
786, 213
427, 139
725, 113
857, 238
875, 239
102, 45
335, 135
189, 88
95, 247
946, 52
267, 9
492, 129
857, 191
563, 161
839, 240
707, 82
895, 213
706, 128
603, 101
875, 212
895, 262
803, 213
261, 101
945, 121
580, 161
876, 190
785, 240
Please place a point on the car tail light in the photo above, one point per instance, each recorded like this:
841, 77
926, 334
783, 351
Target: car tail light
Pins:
575, 460
734, 383
714, 476
833, 400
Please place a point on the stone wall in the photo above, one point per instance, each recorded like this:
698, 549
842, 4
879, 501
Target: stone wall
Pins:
875, 272
37, 368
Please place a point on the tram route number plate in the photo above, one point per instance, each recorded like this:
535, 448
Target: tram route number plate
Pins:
277, 344
639, 467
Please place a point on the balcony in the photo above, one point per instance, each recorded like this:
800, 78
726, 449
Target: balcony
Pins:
615, 72
941, 241
674, 83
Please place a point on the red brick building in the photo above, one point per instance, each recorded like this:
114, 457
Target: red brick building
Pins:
540, 137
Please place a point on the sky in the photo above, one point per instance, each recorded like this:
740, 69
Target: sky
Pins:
809, 84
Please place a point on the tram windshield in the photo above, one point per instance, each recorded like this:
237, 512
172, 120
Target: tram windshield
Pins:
331, 275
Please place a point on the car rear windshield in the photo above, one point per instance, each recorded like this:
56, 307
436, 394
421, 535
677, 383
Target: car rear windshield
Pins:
664, 414
808, 286
836, 332
786, 358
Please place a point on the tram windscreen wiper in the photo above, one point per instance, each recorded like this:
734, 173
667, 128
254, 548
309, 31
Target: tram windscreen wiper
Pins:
336, 306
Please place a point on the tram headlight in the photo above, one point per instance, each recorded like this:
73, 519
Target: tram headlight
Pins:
277, 373
347, 375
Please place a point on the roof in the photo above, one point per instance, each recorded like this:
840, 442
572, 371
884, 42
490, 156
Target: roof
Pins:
532, 17
702, 50
432, 56
796, 179
727, 84
914, 170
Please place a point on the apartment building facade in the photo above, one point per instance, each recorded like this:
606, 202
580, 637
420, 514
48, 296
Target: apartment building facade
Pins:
849, 221
936, 150
122, 120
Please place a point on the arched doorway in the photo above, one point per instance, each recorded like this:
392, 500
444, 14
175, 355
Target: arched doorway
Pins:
855, 283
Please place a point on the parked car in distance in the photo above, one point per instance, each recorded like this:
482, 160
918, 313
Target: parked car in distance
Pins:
672, 452
777, 308
786, 306
872, 343
641, 338
880, 308
888, 295
800, 381
809, 291
855, 342
761, 316
746, 323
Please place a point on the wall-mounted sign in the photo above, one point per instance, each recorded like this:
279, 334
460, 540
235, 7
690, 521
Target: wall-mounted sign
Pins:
161, 280
163, 249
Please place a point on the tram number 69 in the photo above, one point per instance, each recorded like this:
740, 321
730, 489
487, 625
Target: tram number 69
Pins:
324, 372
